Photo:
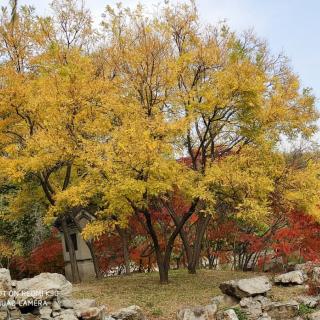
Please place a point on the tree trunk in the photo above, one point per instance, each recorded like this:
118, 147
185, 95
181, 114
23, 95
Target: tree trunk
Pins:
196, 252
162, 260
163, 268
125, 247
192, 252
94, 259
72, 254
164, 275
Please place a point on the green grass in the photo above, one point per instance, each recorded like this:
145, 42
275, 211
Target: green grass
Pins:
303, 309
161, 302
240, 314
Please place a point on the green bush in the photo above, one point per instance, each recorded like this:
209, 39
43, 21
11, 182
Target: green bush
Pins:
303, 309
240, 314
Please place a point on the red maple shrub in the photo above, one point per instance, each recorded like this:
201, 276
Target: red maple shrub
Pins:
299, 240
47, 257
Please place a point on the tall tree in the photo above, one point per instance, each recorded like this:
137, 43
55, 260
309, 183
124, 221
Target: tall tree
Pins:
188, 90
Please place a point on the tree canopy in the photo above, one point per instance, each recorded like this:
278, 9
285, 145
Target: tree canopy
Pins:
121, 120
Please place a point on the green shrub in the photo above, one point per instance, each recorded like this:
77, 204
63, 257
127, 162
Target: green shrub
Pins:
303, 309
240, 314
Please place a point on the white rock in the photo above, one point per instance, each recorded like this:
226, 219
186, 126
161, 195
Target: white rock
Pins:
283, 310
198, 313
130, 313
66, 303
5, 281
56, 314
227, 315
309, 301
246, 287
307, 267
44, 286
66, 315
252, 308
15, 314
316, 274
45, 313
55, 306
93, 313
314, 316
293, 277
80, 305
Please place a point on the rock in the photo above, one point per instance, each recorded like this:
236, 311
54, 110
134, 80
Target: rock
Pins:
316, 274
55, 306
4, 312
309, 301
254, 307
5, 282
314, 316
11, 304
283, 310
264, 301
307, 267
81, 304
15, 314
227, 315
93, 313
45, 313
30, 316
66, 303
251, 308
44, 286
293, 277
246, 287
67, 314
130, 313
198, 313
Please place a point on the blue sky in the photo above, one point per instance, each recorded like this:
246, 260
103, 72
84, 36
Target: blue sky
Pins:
289, 26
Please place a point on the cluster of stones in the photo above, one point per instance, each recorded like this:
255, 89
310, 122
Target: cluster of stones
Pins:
48, 297
248, 299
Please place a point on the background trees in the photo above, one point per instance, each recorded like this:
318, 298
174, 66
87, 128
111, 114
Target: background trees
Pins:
162, 128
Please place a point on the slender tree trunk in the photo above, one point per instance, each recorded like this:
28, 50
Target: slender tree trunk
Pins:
125, 247
94, 259
163, 273
193, 252
201, 228
140, 266
72, 254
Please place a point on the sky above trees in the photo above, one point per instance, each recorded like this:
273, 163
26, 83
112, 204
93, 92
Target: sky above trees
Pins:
290, 26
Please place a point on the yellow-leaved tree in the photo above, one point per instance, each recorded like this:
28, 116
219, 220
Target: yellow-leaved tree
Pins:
206, 96
53, 108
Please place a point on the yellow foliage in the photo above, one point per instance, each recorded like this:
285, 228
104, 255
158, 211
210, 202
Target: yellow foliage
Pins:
152, 105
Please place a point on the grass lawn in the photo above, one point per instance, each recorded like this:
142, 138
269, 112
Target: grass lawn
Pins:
162, 301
